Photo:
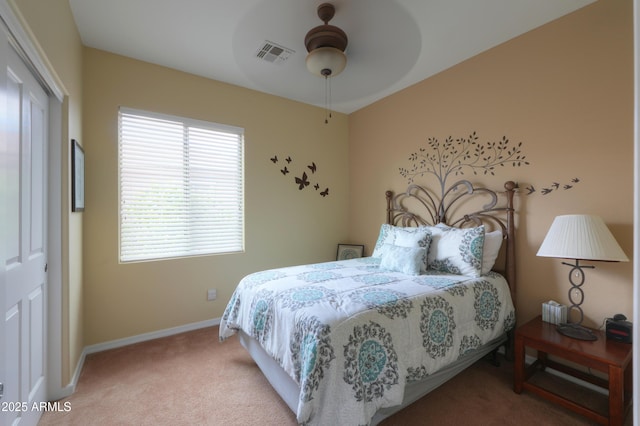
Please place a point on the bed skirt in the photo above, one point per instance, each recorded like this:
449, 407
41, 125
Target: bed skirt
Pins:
289, 390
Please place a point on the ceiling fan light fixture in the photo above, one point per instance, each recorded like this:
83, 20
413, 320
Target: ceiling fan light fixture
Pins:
326, 61
326, 44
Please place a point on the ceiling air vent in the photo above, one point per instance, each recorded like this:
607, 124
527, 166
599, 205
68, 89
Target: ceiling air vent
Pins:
273, 52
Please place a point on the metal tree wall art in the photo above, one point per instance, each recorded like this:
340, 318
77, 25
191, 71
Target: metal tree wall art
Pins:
457, 156
453, 157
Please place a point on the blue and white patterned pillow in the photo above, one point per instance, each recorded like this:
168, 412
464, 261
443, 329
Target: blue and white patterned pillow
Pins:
408, 260
404, 237
490, 249
456, 250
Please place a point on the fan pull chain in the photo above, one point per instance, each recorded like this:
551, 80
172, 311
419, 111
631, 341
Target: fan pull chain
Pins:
330, 105
327, 99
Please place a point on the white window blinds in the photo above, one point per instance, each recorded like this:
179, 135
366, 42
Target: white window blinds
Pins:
181, 187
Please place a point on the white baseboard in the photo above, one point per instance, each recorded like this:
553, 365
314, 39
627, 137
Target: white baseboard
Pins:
118, 343
531, 359
59, 393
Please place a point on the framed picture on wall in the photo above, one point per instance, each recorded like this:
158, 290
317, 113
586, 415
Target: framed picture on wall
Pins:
77, 177
349, 251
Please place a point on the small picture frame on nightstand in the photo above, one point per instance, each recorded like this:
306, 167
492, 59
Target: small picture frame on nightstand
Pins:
349, 251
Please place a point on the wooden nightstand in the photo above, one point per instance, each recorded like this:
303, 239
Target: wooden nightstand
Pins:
609, 357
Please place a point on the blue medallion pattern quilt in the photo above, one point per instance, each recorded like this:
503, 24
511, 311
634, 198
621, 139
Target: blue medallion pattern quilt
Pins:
352, 334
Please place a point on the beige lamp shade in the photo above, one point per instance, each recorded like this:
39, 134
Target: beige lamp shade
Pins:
582, 237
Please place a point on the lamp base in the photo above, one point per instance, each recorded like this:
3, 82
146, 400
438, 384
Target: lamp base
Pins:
576, 331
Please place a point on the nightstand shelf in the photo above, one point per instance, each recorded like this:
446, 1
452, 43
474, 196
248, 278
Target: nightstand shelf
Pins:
609, 357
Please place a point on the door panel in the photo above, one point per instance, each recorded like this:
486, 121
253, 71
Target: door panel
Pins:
13, 169
38, 109
12, 354
25, 261
36, 372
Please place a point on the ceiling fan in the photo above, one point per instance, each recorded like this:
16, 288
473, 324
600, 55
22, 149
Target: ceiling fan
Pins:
326, 44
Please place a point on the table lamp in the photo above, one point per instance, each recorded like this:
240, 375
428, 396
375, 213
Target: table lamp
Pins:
580, 237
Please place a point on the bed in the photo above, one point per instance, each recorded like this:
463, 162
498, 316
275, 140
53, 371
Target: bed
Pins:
351, 342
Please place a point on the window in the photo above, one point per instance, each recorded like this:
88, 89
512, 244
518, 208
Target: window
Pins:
181, 187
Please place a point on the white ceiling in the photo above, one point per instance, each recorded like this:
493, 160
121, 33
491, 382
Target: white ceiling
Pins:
392, 43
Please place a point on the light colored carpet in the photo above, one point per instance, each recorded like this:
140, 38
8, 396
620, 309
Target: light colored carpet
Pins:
192, 379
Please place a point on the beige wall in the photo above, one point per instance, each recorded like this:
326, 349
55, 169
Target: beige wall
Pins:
53, 28
284, 225
565, 90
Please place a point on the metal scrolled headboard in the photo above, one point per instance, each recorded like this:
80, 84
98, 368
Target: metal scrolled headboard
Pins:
430, 210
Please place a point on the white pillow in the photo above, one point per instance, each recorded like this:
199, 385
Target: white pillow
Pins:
492, 244
404, 237
456, 250
408, 260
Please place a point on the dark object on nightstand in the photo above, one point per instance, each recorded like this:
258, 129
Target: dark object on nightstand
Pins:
576, 331
619, 329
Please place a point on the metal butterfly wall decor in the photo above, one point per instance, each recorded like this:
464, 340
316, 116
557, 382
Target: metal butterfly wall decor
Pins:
302, 180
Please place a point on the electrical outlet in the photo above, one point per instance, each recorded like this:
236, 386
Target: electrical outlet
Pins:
212, 294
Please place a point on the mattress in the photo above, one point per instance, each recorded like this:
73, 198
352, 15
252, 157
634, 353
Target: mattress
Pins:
353, 337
